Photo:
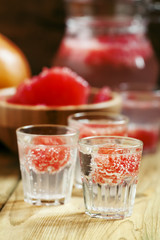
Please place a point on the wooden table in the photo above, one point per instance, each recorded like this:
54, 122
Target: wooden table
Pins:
19, 220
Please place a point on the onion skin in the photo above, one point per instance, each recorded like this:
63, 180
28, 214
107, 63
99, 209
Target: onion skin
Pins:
14, 67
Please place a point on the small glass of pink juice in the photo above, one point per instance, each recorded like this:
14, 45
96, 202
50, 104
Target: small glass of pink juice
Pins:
143, 110
47, 155
96, 124
110, 167
109, 51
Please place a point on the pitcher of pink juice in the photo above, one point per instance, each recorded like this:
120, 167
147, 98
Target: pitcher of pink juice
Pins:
106, 43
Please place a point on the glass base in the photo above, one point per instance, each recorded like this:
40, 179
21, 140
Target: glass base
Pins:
117, 214
43, 188
109, 201
46, 202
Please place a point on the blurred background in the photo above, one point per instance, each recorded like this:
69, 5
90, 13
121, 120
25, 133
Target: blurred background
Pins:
35, 26
38, 26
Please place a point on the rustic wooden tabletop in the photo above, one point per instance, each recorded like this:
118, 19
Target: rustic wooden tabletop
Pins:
19, 220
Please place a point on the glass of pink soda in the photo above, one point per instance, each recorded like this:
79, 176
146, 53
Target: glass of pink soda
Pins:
47, 155
143, 110
110, 167
97, 124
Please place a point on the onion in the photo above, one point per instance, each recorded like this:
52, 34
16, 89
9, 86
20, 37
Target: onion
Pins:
14, 67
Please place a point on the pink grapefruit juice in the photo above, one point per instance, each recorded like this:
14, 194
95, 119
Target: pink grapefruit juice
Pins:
47, 155
110, 59
110, 167
149, 137
97, 124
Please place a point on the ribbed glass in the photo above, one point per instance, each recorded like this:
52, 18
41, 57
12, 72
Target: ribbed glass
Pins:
47, 188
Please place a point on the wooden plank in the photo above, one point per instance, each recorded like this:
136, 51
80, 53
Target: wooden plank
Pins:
68, 222
9, 174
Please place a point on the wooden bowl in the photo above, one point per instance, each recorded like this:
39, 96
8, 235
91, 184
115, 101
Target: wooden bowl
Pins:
13, 116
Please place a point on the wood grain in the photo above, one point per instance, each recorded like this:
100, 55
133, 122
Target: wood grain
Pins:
68, 222
9, 174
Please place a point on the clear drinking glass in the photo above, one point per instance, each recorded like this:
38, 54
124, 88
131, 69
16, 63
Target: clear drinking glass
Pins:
47, 155
96, 124
110, 167
143, 110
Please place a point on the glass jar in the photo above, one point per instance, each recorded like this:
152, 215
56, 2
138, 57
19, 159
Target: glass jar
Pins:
106, 43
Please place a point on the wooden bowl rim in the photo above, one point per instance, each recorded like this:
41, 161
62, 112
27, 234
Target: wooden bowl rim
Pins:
10, 91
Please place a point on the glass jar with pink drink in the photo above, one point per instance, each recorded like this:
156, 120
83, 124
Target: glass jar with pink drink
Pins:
106, 43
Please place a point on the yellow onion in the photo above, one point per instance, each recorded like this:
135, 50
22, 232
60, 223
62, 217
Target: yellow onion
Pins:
14, 67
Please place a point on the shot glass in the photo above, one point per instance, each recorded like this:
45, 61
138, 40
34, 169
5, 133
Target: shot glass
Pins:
97, 124
109, 167
47, 155
143, 110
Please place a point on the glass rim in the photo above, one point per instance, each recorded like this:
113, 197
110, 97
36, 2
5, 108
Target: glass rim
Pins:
138, 143
107, 25
73, 132
142, 97
123, 119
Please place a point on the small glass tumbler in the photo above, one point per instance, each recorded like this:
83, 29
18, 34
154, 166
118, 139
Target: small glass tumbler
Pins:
47, 155
97, 124
143, 110
109, 167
